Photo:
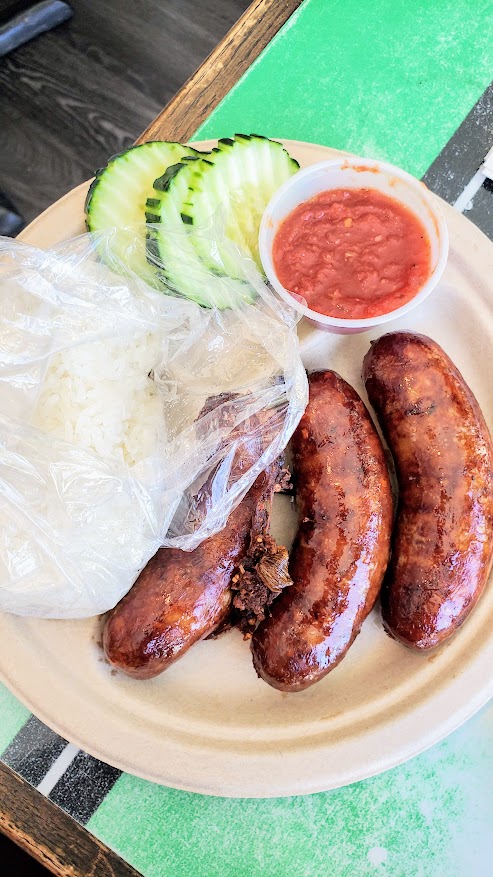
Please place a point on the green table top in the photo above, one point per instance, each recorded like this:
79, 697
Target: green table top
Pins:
391, 79
394, 80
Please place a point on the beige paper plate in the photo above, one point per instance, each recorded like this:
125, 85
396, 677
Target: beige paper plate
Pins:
209, 725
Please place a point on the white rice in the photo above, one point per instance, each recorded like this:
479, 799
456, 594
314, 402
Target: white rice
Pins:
100, 396
83, 499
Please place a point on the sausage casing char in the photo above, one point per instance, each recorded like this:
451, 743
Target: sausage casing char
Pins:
343, 541
443, 540
181, 597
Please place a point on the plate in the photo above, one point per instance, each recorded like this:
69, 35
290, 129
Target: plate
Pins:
208, 724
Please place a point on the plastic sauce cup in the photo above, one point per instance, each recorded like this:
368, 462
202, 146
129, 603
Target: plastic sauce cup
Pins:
355, 173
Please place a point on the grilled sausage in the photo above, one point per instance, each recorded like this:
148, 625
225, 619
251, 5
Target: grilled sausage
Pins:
181, 597
342, 545
443, 542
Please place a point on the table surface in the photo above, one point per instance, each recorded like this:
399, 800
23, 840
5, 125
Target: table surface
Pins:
405, 82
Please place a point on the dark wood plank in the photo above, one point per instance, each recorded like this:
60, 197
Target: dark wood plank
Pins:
50, 836
17, 862
76, 95
221, 70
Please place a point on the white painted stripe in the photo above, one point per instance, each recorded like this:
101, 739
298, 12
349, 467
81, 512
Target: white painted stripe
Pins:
488, 165
58, 768
464, 201
465, 198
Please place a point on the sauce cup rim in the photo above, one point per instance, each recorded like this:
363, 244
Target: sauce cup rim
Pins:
366, 164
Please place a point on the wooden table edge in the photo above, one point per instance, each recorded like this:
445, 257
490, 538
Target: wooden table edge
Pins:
50, 835
210, 83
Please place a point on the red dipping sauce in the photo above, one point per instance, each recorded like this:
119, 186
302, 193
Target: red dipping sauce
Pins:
352, 253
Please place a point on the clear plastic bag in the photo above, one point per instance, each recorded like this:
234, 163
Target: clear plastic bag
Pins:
121, 408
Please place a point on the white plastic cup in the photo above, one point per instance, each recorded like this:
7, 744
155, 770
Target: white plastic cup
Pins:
355, 173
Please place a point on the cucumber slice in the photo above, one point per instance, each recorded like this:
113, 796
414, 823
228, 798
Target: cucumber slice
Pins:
117, 198
240, 176
171, 247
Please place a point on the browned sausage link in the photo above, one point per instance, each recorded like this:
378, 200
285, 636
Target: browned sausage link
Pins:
342, 546
443, 542
180, 597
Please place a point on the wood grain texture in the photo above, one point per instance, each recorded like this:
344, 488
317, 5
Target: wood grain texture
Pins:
82, 92
220, 71
50, 836
17, 862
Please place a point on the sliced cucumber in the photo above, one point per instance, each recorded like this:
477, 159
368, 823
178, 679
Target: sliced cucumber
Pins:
171, 248
117, 198
239, 176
